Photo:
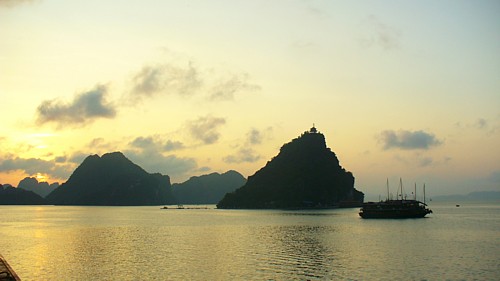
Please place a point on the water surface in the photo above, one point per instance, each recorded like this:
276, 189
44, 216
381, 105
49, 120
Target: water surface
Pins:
147, 243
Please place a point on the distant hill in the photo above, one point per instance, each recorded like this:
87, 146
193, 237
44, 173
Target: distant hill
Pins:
207, 189
473, 196
112, 180
40, 188
17, 196
305, 174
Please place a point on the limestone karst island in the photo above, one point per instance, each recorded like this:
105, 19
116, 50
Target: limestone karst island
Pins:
305, 174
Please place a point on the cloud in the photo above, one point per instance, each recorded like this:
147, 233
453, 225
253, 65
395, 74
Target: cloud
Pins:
481, 123
426, 161
165, 79
78, 157
32, 166
205, 129
148, 153
149, 82
242, 155
186, 81
155, 162
254, 136
380, 34
203, 169
150, 143
60, 159
144, 143
226, 89
29, 165
84, 109
100, 144
173, 145
408, 140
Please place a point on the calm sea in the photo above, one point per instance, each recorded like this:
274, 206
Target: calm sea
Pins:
147, 243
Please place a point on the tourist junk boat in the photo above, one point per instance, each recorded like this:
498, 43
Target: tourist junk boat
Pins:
395, 209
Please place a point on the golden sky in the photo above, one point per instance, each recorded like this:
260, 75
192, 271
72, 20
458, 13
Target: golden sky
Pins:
405, 89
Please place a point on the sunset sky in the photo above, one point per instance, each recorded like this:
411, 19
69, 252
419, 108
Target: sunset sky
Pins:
406, 89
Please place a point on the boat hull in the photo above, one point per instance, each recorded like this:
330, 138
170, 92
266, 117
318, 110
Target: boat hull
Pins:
394, 209
392, 215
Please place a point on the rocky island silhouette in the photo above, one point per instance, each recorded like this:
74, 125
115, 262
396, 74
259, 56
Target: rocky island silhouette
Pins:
305, 174
110, 180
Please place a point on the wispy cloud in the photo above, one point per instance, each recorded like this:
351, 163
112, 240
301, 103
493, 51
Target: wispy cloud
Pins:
489, 127
227, 88
254, 136
408, 140
242, 155
165, 79
246, 152
205, 128
186, 81
84, 109
150, 82
379, 34
425, 161
481, 123
152, 143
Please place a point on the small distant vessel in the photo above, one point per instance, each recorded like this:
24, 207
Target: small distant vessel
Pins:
167, 208
395, 209
181, 207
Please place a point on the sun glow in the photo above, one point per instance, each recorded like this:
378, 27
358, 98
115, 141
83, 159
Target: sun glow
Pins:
40, 177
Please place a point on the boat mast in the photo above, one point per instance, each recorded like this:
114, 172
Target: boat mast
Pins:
424, 193
415, 191
401, 185
387, 184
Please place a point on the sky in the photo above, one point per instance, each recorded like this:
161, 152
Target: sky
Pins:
400, 89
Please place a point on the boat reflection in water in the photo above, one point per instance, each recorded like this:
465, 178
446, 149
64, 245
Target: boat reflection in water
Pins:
395, 209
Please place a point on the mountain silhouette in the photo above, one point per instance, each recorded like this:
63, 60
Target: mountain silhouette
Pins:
207, 189
17, 196
41, 188
305, 174
112, 180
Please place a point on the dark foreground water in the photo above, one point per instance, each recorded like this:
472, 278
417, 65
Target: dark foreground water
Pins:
147, 243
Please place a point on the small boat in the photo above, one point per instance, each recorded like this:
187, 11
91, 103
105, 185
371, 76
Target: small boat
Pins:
167, 208
395, 209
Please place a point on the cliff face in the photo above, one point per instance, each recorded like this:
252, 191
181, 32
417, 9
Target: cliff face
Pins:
207, 189
112, 180
304, 174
